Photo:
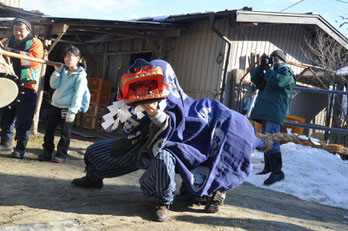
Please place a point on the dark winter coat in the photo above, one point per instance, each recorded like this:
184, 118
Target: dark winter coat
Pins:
275, 88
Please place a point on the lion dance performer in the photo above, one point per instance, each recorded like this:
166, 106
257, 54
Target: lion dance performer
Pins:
208, 144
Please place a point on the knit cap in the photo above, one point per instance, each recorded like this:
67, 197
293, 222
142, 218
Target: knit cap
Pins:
23, 21
281, 54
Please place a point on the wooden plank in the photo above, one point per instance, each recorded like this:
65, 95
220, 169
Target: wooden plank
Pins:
59, 28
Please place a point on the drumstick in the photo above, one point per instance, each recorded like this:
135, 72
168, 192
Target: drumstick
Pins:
19, 56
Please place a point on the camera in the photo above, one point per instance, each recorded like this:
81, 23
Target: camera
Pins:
266, 60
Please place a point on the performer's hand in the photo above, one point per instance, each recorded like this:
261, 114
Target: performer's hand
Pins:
59, 69
150, 108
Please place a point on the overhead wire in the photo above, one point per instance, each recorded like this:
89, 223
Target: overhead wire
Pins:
291, 5
323, 6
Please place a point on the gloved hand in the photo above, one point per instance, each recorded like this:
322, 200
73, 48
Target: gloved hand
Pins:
266, 62
70, 117
60, 68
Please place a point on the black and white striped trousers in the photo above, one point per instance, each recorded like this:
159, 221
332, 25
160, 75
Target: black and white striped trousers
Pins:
157, 181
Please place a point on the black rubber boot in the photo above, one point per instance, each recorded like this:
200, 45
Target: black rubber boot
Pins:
276, 166
267, 167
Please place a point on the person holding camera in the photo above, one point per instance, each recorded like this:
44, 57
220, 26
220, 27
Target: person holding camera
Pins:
275, 81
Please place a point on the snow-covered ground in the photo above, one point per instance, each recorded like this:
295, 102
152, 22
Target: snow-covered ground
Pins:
310, 174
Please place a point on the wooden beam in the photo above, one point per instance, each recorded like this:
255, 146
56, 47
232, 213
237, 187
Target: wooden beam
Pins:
316, 76
304, 65
68, 41
59, 28
64, 29
301, 74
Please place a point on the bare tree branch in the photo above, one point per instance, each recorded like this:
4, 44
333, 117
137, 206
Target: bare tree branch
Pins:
322, 50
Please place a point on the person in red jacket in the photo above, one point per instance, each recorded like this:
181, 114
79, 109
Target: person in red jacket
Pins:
21, 115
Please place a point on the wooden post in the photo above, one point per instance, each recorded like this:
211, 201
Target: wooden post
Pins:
35, 126
25, 57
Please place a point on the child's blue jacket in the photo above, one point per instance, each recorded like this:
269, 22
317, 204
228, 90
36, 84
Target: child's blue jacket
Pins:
69, 89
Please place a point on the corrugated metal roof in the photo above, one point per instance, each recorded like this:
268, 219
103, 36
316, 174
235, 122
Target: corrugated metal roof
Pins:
8, 11
309, 19
292, 18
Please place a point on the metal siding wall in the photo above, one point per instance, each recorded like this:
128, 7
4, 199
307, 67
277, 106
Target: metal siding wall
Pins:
13, 3
194, 59
311, 106
266, 38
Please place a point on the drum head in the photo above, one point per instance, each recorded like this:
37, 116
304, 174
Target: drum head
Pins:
10, 89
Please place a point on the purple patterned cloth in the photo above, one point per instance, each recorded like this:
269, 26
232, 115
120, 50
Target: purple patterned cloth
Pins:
211, 143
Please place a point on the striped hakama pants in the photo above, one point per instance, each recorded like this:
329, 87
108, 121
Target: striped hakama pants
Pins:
157, 180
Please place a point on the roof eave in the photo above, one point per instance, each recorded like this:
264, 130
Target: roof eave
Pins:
9, 11
288, 18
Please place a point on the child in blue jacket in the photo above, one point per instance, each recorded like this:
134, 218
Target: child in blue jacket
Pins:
70, 83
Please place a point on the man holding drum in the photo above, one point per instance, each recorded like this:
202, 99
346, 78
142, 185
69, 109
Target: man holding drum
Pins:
21, 115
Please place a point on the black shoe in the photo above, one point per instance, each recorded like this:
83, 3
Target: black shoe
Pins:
161, 213
17, 154
45, 157
274, 178
58, 160
191, 199
186, 196
6, 148
214, 202
84, 182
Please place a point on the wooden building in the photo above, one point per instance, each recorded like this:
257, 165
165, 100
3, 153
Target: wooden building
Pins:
209, 51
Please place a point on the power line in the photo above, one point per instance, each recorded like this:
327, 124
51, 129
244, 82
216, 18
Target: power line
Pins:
292, 5
340, 7
334, 9
323, 7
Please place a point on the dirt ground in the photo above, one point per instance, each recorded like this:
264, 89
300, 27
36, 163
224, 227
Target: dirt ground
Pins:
39, 196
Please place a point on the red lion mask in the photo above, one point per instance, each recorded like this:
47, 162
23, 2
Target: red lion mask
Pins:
144, 83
